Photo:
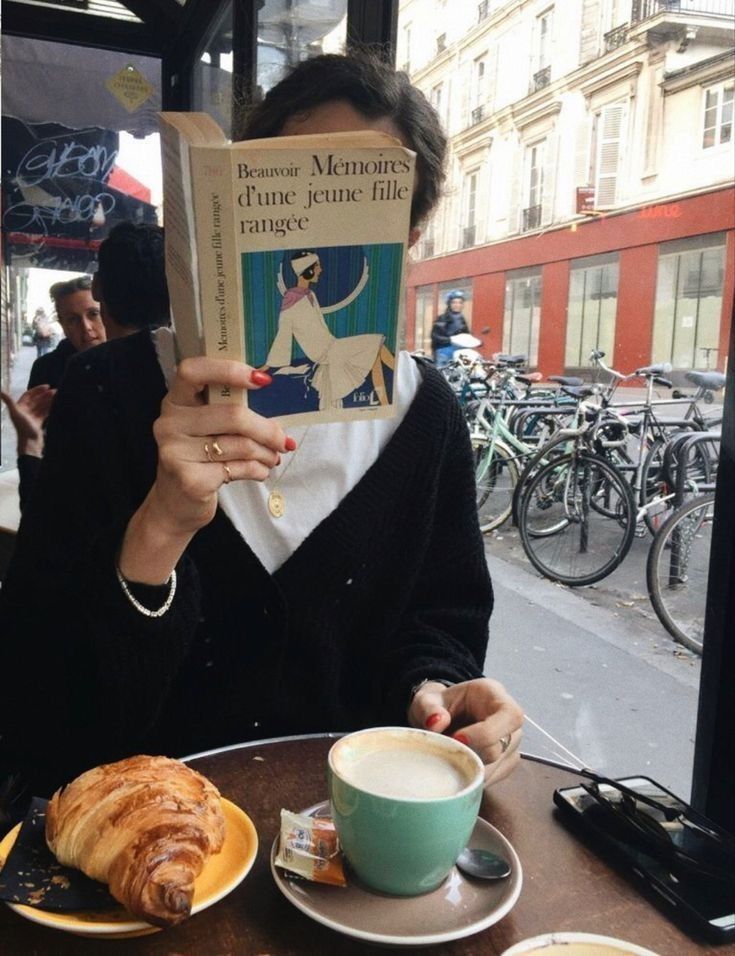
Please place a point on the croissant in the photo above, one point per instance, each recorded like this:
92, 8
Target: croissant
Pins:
145, 826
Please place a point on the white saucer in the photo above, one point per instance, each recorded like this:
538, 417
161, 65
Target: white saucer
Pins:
461, 906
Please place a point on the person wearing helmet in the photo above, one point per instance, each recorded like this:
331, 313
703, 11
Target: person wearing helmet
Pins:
448, 323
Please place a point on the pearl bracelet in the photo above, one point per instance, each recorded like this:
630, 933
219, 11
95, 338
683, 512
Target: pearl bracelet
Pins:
136, 603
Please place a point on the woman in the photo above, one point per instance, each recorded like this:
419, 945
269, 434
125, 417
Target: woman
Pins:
340, 365
193, 616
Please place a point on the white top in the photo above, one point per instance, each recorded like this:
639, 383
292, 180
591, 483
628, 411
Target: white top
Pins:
310, 491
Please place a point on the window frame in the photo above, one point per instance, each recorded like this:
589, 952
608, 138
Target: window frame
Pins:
719, 88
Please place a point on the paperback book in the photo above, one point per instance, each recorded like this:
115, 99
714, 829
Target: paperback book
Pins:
289, 254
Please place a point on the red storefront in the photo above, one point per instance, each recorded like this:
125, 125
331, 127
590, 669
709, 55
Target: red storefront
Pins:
636, 240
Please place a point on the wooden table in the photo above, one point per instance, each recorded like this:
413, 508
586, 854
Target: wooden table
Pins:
565, 886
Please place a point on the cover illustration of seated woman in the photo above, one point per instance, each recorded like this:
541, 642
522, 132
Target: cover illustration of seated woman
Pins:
335, 371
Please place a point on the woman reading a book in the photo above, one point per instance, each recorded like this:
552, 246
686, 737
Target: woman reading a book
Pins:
339, 365
186, 613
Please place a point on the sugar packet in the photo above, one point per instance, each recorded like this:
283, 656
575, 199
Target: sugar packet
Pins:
309, 848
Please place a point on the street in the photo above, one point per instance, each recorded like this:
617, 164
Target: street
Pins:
602, 683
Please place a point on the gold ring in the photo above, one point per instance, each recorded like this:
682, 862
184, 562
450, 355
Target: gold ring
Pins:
228, 474
504, 743
207, 452
216, 448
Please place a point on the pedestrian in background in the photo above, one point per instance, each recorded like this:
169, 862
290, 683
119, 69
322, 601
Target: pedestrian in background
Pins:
450, 322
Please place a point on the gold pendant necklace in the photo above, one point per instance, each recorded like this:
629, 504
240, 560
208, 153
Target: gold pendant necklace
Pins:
276, 501
276, 504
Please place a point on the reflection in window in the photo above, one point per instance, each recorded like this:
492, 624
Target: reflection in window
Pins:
291, 32
522, 314
689, 301
593, 301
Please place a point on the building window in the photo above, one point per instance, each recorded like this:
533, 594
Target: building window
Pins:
605, 153
522, 314
686, 328
543, 39
478, 95
593, 302
718, 115
424, 318
406, 64
534, 186
441, 43
436, 97
469, 203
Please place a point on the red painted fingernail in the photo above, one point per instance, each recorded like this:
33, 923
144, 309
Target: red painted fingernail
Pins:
431, 720
462, 738
260, 378
290, 444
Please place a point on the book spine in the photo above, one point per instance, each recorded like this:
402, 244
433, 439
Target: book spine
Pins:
219, 282
181, 265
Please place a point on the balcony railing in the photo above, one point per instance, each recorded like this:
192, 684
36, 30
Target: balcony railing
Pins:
643, 9
468, 236
426, 248
482, 11
531, 218
617, 37
477, 115
541, 79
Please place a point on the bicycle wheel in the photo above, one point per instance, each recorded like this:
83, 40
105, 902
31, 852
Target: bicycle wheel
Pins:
496, 474
654, 485
577, 519
677, 570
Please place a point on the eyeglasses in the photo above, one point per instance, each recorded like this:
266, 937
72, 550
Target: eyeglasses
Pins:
664, 827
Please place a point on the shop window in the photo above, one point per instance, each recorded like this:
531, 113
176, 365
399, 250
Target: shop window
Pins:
686, 329
522, 316
593, 302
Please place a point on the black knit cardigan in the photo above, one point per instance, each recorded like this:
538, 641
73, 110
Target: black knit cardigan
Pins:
390, 588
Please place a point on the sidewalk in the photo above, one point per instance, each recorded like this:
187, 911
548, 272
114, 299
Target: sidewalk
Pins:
24, 358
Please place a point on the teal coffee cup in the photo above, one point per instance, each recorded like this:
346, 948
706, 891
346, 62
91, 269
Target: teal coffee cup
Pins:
404, 803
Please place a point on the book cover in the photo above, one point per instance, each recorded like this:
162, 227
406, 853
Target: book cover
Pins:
289, 254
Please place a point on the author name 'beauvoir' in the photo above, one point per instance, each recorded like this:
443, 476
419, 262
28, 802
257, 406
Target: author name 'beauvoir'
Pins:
329, 165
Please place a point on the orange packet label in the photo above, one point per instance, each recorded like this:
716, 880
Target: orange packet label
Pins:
309, 847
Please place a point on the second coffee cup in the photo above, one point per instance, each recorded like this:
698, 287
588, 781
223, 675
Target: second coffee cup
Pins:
404, 802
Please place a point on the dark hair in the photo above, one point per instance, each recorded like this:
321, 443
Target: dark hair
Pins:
60, 290
132, 276
374, 88
308, 273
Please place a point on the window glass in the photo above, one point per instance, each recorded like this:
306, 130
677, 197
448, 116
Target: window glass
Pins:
522, 315
291, 32
718, 115
688, 302
593, 298
424, 318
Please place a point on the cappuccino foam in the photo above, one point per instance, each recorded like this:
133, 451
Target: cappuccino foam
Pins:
406, 773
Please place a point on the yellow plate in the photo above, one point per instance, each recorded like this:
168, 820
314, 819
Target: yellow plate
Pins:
221, 874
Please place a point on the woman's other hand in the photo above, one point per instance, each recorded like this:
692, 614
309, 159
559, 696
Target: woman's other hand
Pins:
200, 448
481, 713
28, 414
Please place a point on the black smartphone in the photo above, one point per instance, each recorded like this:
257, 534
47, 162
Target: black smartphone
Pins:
687, 868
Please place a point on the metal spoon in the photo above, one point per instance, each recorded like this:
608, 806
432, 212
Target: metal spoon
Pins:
483, 864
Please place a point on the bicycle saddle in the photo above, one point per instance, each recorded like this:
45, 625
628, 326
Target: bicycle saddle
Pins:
566, 379
711, 380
